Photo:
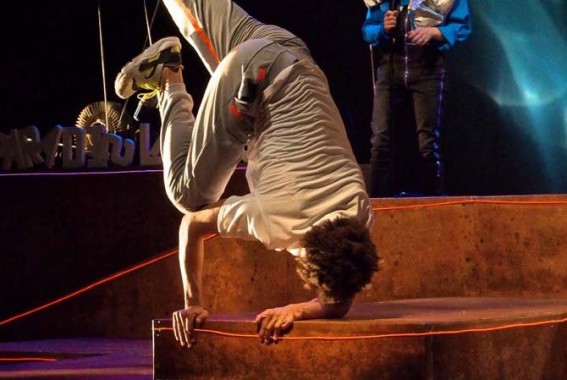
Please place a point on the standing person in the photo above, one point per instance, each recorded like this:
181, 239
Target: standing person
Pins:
411, 39
267, 96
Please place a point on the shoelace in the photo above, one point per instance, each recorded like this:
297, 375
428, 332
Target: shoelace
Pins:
154, 91
145, 96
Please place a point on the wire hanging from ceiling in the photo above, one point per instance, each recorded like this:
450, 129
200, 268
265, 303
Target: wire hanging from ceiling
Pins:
102, 61
148, 41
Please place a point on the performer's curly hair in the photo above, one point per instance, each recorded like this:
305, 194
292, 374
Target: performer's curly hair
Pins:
340, 258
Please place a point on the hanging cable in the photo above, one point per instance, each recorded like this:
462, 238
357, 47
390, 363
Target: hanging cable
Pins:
147, 42
103, 65
373, 69
148, 24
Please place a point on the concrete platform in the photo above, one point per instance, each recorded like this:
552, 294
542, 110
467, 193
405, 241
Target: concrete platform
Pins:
443, 260
435, 338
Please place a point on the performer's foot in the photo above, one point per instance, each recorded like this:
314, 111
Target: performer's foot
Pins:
144, 71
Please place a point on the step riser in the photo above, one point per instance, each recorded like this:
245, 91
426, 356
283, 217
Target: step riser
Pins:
456, 250
471, 249
521, 353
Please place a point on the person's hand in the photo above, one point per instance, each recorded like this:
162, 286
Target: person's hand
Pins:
185, 321
422, 36
271, 324
390, 21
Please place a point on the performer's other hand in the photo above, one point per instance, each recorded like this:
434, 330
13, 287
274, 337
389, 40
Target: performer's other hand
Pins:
185, 321
271, 324
422, 36
390, 21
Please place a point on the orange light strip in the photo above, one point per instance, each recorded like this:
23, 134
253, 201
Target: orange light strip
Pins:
175, 251
89, 287
470, 201
28, 360
98, 283
380, 336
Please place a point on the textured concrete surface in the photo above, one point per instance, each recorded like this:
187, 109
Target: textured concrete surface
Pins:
439, 338
430, 247
471, 246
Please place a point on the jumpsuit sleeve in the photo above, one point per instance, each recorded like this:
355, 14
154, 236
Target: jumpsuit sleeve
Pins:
241, 217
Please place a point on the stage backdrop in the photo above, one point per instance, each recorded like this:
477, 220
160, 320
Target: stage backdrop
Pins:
507, 110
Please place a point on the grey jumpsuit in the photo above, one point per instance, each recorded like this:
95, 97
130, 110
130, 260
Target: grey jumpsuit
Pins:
266, 94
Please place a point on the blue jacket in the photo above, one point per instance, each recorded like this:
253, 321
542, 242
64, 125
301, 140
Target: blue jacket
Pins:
456, 28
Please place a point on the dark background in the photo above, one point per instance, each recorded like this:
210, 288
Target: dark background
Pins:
52, 69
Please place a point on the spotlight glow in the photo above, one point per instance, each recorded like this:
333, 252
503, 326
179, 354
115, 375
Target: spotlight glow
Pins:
535, 52
530, 73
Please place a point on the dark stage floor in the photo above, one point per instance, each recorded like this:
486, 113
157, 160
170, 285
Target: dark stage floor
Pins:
77, 358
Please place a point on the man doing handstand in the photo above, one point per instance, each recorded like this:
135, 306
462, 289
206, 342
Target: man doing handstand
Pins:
266, 96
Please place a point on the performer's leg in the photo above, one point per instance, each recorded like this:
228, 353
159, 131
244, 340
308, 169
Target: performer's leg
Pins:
428, 96
215, 27
382, 182
200, 154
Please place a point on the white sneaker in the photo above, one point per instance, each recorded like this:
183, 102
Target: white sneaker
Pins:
144, 71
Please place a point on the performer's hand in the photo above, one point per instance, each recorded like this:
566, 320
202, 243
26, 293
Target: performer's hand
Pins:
390, 21
422, 36
184, 323
271, 324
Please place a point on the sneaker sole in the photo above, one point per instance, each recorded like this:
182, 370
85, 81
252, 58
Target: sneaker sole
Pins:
123, 86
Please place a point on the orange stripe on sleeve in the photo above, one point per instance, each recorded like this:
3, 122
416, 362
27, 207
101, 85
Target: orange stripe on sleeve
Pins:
201, 33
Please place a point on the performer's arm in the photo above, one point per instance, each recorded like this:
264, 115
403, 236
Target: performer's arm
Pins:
274, 323
421, 36
195, 228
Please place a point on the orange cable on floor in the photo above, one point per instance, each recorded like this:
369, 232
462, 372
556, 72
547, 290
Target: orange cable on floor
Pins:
170, 253
89, 287
4, 360
470, 201
95, 284
380, 336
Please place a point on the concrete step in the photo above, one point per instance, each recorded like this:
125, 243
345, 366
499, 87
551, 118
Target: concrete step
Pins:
429, 338
431, 247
